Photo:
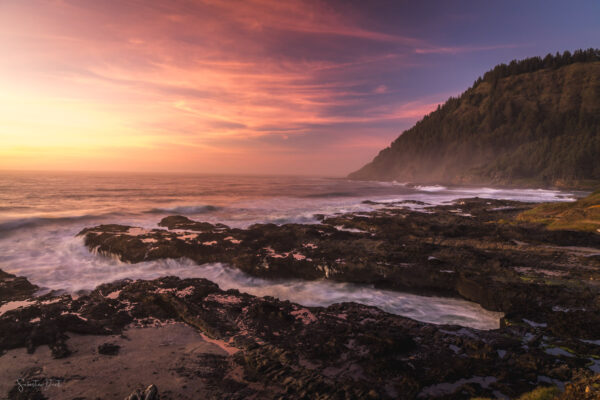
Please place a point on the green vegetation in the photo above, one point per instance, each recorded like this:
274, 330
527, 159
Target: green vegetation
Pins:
583, 215
539, 393
532, 122
533, 64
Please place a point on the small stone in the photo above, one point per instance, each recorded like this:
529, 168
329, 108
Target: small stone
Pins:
109, 349
60, 349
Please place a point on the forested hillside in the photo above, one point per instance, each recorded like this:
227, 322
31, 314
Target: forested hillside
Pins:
532, 122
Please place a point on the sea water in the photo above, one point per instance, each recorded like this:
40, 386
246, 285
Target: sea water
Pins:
41, 214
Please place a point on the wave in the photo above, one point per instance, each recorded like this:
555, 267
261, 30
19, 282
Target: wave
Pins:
527, 195
434, 188
391, 183
77, 269
13, 208
101, 189
28, 222
330, 194
186, 209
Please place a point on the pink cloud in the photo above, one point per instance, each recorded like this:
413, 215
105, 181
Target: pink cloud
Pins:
380, 89
208, 81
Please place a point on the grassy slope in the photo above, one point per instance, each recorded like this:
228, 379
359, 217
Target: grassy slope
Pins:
583, 214
540, 393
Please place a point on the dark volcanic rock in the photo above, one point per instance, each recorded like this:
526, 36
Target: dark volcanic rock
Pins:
13, 288
546, 283
473, 248
280, 349
181, 222
150, 393
109, 349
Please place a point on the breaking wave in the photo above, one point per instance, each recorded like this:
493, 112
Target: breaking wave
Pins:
40, 217
434, 188
27, 222
204, 209
72, 268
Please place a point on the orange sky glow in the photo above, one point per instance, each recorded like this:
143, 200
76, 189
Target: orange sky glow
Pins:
205, 86
231, 86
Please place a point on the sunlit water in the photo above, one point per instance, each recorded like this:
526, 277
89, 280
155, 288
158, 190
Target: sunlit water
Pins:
40, 214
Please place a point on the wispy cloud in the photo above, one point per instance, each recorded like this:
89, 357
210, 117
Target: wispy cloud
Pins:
220, 77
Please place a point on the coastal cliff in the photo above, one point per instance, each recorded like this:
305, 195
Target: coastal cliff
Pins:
534, 122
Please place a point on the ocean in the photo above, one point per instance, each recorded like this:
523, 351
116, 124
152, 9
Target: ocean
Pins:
41, 214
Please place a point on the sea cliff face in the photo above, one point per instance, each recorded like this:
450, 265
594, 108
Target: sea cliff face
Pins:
538, 126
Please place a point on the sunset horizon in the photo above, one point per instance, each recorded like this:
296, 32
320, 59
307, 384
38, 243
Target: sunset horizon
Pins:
303, 87
299, 199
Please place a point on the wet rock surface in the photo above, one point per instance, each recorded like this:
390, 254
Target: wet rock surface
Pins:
545, 281
109, 349
150, 393
473, 248
277, 349
14, 288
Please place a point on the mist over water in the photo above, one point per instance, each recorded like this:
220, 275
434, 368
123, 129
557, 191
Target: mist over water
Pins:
40, 215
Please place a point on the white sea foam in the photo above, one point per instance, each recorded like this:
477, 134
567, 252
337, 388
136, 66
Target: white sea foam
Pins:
85, 271
39, 218
443, 196
434, 188
60, 261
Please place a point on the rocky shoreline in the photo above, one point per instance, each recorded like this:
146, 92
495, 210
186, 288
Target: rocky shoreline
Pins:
545, 282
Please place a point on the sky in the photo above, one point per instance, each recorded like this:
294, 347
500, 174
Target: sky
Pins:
249, 86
